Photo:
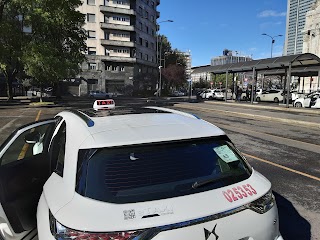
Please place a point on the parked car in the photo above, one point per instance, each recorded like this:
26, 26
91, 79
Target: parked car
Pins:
220, 94
272, 95
312, 100
98, 94
177, 94
209, 94
144, 173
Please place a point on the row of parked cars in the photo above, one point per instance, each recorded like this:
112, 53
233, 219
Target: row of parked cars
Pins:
312, 100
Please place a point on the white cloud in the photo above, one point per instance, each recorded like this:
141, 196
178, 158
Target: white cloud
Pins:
271, 13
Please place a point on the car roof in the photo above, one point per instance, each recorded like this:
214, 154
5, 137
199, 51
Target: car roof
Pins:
127, 126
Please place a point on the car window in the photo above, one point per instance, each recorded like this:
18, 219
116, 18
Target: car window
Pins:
20, 149
157, 171
57, 150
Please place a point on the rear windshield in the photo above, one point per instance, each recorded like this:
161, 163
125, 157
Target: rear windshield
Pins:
157, 171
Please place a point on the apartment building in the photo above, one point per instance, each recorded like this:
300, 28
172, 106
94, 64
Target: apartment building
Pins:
121, 45
228, 57
296, 18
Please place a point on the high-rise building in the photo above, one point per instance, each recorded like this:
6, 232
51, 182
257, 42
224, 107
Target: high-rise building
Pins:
121, 45
296, 18
188, 59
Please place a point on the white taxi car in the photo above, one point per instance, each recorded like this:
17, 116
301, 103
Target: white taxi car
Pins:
312, 100
143, 174
272, 95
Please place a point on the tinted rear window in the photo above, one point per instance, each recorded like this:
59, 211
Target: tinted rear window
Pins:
157, 171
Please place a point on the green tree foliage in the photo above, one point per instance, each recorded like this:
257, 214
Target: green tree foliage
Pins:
173, 63
53, 49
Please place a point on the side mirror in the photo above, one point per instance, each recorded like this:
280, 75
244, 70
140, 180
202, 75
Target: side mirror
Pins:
32, 137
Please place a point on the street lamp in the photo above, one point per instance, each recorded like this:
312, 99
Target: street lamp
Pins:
272, 40
159, 57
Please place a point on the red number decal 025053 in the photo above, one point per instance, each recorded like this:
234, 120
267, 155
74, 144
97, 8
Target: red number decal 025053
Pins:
239, 192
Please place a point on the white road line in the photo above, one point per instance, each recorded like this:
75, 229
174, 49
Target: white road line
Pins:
7, 125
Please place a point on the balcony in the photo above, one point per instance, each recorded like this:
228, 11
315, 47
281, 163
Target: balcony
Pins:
117, 27
117, 43
158, 2
118, 59
158, 14
109, 9
144, 62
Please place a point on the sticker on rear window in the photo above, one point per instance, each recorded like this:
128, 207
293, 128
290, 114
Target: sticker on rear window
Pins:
226, 154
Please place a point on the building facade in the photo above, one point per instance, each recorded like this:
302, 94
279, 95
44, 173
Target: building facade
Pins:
121, 45
296, 18
229, 57
311, 44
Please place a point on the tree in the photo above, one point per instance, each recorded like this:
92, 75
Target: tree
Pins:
53, 49
175, 76
173, 62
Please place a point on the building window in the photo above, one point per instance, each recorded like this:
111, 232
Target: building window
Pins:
91, 2
147, 44
114, 68
91, 17
91, 34
92, 51
108, 67
121, 68
140, 40
146, 57
92, 66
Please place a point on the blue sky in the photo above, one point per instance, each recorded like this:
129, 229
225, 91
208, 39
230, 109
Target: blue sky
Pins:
206, 27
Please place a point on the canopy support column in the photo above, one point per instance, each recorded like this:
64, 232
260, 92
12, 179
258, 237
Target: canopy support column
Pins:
253, 84
288, 84
227, 74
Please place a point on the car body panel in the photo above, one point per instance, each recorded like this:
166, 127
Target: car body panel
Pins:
170, 211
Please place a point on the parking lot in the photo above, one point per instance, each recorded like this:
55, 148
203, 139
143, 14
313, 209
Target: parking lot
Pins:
280, 143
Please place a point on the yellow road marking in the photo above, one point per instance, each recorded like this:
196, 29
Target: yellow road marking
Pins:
283, 167
26, 145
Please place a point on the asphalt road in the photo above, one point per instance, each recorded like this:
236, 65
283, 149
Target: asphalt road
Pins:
282, 145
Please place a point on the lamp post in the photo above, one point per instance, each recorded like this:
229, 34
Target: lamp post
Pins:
272, 40
159, 57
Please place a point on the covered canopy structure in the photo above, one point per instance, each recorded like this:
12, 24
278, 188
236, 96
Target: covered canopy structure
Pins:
301, 65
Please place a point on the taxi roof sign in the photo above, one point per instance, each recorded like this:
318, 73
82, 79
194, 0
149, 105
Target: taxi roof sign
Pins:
106, 104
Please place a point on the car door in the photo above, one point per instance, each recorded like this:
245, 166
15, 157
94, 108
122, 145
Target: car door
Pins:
24, 168
307, 101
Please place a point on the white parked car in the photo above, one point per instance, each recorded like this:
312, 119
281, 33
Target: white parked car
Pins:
209, 94
148, 173
221, 94
312, 100
272, 95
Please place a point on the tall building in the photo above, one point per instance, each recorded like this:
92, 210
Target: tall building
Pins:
228, 57
188, 58
296, 18
121, 45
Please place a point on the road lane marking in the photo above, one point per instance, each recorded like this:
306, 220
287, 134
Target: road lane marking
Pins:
282, 167
7, 125
38, 115
26, 145
274, 138
252, 116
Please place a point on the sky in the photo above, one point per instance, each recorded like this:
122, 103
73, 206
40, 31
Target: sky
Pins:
207, 27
